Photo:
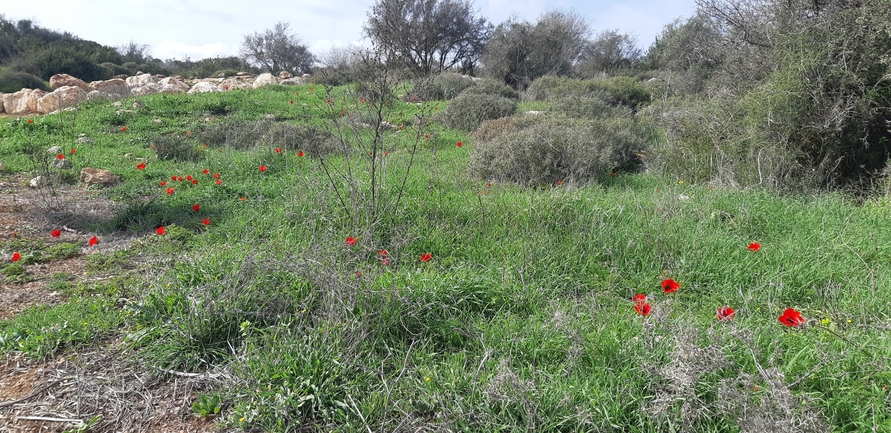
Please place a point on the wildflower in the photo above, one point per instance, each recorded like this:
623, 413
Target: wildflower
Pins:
196, 207
278, 150
754, 246
56, 233
292, 102
205, 171
173, 177
791, 317
358, 274
612, 175
16, 257
140, 166
300, 154
72, 151
383, 253
350, 241
162, 183
179, 178
639, 298
189, 177
188, 132
194, 181
242, 198
169, 191
426, 257
725, 313
219, 182
216, 175
160, 230
297, 93
93, 241
643, 308
460, 144
560, 182
385, 262
670, 286
206, 221
262, 169
123, 129
30, 121
426, 136
60, 156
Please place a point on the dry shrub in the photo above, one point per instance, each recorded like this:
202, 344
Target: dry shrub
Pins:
488, 86
492, 128
555, 148
468, 110
441, 87
626, 91
313, 140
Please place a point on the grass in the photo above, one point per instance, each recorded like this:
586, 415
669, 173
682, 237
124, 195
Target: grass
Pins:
523, 319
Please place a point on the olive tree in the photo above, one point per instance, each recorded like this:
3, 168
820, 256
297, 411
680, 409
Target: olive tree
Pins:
277, 49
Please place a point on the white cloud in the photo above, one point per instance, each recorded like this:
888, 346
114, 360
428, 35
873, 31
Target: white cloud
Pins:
179, 50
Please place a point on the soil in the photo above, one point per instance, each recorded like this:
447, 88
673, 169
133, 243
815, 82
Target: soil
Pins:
80, 384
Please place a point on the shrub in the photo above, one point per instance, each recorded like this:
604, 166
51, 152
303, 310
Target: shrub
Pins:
493, 128
557, 148
488, 86
590, 107
176, 148
236, 134
441, 87
615, 91
313, 140
468, 110
13, 81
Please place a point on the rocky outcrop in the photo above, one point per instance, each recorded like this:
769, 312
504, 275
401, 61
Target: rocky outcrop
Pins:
139, 80
145, 89
97, 176
284, 75
65, 96
172, 85
22, 102
204, 87
61, 80
265, 80
113, 88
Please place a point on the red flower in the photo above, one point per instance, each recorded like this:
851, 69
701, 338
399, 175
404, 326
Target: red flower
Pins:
16, 257
754, 246
383, 253
123, 129
169, 190
56, 233
725, 313
188, 132
385, 262
639, 298
205, 171
297, 93
292, 102
196, 207
262, 169
643, 308
612, 175
219, 182
140, 166
206, 221
194, 181
30, 121
426, 136
179, 178
300, 154
791, 317
426, 257
173, 177
216, 175
278, 150
162, 183
188, 177
670, 286
350, 241
160, 230
226, 87
60, 156
460, 144
72, 151
242, 198
93, 241
560, 182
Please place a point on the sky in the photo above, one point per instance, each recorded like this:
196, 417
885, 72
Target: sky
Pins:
196, 29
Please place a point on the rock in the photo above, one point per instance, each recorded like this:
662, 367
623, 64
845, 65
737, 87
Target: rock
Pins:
97, 176
37, 182
54, 150
139, 80
284, 75
158, 121
204, 87
84, 140
306, 76
116, 104
232, 84
62, 80
265, 79
244, 74
22, 102
137, 104
62, 164
296, 81
1, 103
146, 89
113, 88
172, 85
62, 97
270, 116
119, 112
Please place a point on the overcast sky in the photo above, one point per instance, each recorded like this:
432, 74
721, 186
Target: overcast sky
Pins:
203, 28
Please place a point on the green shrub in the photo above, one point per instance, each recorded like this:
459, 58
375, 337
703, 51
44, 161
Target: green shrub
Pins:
176, 147
441, 87
313, 140
493, 128
556, 149
468, 110
13, 81
551, 87
586, 108
488, 86
614, 91
236, 134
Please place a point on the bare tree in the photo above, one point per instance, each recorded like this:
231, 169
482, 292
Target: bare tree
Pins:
608, 51
277, 49
135, 52
428, 35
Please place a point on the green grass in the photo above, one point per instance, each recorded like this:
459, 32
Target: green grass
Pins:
522, 320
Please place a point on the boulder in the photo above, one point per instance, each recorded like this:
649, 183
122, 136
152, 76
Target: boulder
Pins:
22, 102
1, 103
113, 88
54, 150
60, 98
284, 75
97, 176
36, 182
62, 80
204, 87
172, 85
295, 81
265, 79
146, 89
139, 80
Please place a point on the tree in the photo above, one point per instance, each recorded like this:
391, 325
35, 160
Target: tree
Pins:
428, 35
519, 52
135, 52
608, 52
277, 49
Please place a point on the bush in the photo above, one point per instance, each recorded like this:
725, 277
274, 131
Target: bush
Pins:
557, 148
176, 148
236, 134
493, 128
488, 86
590, 107
615, 91
313, 140
13, 81
468, 110
441, 87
